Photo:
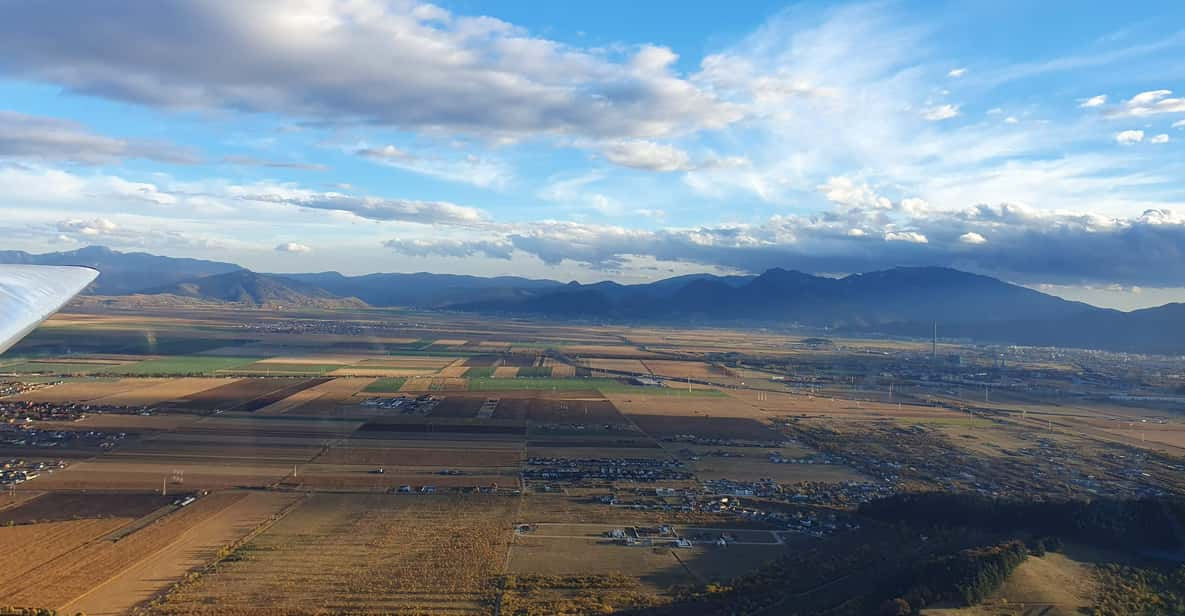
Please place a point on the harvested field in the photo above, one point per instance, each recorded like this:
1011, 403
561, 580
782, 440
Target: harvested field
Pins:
561, 371
139, 475
381, 371
505, 372
85, 390
706, 427
600, 350
384, 427
622, 365
656, 567
246, 394
408, 361
453, 371
29, 547
684, 369
68, 576
197, 547
363, 554
361, 453
60, 507
321, 400
157, 391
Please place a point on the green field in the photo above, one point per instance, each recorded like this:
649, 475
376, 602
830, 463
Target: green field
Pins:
284, 369
534, 372
183, 365
481, 372
386, 385
64, 367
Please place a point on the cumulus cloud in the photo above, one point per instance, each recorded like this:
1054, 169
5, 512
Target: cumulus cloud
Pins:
404, 64
957, 72
1129, 137
1179, 124
906, 236
1161, 138
1094, 101
972, 237
292, 247
496, 249
88, 228
50, 139
1149, 103
647, 155
940, 112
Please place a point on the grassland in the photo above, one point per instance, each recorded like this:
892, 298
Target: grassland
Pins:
385, 385
184, 365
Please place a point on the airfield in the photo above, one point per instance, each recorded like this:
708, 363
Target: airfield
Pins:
223, 461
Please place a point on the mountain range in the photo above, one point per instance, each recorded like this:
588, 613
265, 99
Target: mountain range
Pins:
904, 301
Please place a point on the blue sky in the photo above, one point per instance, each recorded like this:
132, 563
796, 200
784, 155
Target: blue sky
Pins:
1038, 142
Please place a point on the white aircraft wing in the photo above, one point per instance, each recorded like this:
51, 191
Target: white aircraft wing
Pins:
29, 294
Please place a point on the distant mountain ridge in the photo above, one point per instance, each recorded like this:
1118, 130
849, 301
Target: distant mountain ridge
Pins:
253, 289
905, 301
124, 272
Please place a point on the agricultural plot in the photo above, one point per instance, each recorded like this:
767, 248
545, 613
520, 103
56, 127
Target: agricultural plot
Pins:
239, 394
362, 554
60, 367
66, 576
200, 545
706, 427
183, 366
61, 507
385, 385
619, 365
505, 372
84, 390
157, 392
285, 369
326, 399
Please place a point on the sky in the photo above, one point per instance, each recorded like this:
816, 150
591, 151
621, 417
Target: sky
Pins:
1042, 143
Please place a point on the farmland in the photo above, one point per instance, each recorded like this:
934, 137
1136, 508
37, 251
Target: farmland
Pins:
540, 468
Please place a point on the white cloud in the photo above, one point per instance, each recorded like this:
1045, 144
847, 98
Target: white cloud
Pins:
972, 237
940, 112
957, 72
89, 228
1150, 103
420, 247
293, 247
847, 193
1094, 101
1179, 124
468, 169
1129, 137
912, 237
647, 155
1011, 120
403, 64
1162, 138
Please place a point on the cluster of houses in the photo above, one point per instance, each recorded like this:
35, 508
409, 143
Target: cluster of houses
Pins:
604, 469
12, 411
16, 471
19, 435
419, 405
